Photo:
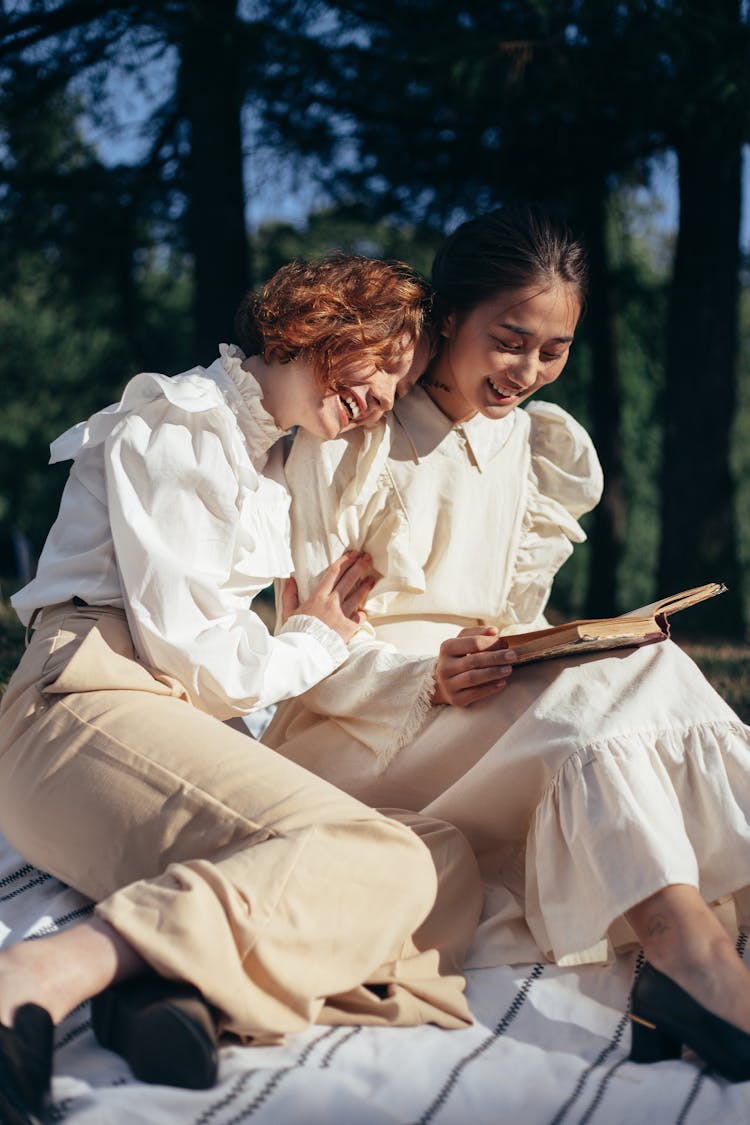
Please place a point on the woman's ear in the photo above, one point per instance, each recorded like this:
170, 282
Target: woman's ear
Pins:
448, 325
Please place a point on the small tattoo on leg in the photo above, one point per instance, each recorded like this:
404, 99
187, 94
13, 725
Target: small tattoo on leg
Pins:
658, 926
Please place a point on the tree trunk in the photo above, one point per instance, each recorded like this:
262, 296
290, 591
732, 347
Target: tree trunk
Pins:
608, 525
698, 520
211, 99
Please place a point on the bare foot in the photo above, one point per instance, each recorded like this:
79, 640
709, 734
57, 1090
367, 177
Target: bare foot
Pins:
682, 938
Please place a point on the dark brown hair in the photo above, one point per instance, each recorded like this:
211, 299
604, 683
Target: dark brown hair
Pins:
515, 247
336, 312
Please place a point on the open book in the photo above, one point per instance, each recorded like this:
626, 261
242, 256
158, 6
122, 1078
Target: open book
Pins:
640, 626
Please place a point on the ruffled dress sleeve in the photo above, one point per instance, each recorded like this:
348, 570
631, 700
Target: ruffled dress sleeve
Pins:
564, 482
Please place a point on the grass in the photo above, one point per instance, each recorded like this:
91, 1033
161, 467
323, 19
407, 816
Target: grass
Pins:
725, 665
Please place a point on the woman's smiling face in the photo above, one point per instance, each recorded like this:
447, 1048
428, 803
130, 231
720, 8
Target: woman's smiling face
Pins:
293, 395
497, 355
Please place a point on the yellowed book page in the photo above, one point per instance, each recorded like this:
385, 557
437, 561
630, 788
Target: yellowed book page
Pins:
676, 602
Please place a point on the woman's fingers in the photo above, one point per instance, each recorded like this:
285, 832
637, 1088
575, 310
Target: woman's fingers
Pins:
467, 642
346, 572
454, 664
473, 674
477, 631
470, 668
476, 695
351, 579
352, 603
340, 593
357, 572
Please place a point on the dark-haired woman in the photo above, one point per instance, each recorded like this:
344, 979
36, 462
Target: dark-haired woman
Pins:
246, 884
607, 798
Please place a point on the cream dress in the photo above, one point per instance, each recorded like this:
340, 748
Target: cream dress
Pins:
587, 784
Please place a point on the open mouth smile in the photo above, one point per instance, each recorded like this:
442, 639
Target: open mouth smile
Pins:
353, 408
503, 396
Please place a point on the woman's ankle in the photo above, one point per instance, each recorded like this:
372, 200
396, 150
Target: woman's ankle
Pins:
63, 970
19, 984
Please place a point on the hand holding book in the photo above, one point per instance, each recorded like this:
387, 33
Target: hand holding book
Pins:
639, 626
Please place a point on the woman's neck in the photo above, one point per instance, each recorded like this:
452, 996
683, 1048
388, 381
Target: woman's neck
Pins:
272, 388
444, 396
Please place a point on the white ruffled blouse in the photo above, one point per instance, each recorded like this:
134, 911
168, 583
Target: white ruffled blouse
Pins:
526, 480
167, 515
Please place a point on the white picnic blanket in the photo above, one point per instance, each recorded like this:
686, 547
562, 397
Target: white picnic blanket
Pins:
549, 1046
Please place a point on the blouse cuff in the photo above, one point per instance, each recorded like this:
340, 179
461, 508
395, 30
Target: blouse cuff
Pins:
328, 638
380, 697
414, 720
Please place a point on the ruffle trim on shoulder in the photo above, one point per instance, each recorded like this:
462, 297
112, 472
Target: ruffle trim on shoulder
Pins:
371, 489
245, 399
564, 481
263, 525
564, 458
191, 391
263, 529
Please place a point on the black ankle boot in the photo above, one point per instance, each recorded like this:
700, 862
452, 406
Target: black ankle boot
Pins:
25, 1066
664, 1017
164, 1030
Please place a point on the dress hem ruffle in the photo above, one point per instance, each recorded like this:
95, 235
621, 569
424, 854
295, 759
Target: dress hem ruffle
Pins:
598, 808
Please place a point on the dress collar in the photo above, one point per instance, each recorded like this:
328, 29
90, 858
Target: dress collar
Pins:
426, 427
245, 399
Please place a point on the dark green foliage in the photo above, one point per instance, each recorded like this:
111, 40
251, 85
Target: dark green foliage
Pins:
85, 302
410, 113
699, 535
349, 229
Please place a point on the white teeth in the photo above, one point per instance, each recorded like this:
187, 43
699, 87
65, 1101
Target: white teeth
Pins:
351, 406
498, 391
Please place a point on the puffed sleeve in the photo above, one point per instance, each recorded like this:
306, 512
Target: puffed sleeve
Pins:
341, 497
197, 533
564, 481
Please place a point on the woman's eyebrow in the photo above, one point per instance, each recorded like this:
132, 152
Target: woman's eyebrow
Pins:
528, 332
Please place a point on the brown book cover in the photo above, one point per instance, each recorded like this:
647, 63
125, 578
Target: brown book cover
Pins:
639, 626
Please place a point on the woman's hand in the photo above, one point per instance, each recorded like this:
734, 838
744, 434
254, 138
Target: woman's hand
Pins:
472, 666
338, 597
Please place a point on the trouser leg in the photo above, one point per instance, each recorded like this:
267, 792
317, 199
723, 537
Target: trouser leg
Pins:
219, 861
425, 982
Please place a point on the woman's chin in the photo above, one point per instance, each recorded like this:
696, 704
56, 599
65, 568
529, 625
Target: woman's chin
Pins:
496, 411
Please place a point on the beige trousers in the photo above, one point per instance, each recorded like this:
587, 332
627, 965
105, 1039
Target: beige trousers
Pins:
218, 860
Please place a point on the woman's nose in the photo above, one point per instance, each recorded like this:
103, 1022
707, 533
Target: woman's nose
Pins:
524, 370
382, 393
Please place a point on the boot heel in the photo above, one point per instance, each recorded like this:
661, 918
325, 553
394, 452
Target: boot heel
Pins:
164, 1030
649, 1045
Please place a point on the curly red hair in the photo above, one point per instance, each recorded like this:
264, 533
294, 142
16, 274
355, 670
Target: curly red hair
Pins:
336, 312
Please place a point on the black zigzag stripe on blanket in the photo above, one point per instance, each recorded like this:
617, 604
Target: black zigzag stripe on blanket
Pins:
549, 1047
